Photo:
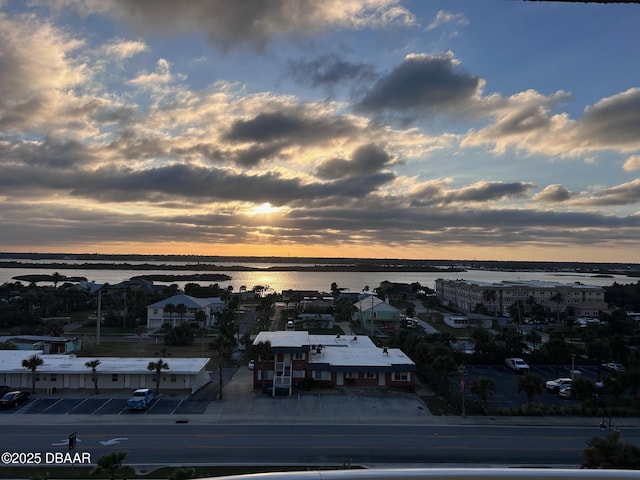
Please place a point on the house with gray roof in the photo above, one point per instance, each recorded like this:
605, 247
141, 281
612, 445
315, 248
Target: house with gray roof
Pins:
169, 311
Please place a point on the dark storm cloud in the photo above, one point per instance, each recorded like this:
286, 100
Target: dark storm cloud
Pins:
293, 127
479, 192
421, 82
328, 70
366, 159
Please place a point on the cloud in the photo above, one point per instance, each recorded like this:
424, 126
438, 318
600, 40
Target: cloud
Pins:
553, 194
623, 194
267, 127
119, 49
229, 23
365, 160
436, 193
329, 70
447, 18
632, 163
421, 83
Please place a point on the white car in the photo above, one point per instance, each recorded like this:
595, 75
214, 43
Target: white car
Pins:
518, 365
558, 384
251, 365
614, 367
565, 393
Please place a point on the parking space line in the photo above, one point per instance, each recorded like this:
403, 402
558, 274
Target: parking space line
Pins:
177, 406
54, 403
76, 406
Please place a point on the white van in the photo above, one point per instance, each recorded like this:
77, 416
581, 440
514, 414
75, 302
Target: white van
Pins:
290, 325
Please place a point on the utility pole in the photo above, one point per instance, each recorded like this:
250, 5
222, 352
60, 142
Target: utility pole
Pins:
99, 317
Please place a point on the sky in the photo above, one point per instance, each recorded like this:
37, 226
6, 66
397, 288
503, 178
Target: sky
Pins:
486, 130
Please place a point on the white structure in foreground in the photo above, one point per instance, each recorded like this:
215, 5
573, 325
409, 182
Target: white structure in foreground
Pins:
113, 373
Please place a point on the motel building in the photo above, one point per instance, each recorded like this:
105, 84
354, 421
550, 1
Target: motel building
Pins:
68, 372
329, 360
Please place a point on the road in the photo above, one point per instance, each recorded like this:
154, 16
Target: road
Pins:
189, 444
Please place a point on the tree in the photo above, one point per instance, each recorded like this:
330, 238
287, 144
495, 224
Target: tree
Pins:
557, 298
170, 308
181, 309
110, 463
260, 352
610, 452
32, 363
531, 385
482, 387
534, 338
490, 296
140, 331
157, 367
223, 344
180, 335
93, 365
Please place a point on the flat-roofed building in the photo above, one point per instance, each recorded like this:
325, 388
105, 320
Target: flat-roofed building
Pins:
61, 372
332, 360
465, 295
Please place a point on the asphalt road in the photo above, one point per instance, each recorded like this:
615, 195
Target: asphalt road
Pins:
187, 444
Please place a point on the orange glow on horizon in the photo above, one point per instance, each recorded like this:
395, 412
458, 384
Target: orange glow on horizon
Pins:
506, 253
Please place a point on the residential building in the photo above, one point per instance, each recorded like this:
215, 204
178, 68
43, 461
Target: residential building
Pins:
166, 311
465, 295
114, 373
47, 344
331, 360
374, 313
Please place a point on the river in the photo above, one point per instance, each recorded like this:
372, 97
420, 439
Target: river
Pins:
321, 281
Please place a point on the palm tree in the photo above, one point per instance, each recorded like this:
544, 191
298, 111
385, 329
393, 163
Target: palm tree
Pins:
32, 363
490, 296
610, 452
557, 297
140, 331
531, 385
110, 463
93, 365
482, 387
261, 351
158, 367
223, 344
170, 308
181, 309
534, 338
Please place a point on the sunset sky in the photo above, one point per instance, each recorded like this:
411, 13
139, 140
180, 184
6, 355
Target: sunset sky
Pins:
476, 129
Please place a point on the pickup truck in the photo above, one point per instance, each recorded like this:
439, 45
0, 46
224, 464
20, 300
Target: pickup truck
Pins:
517, 365
141, 399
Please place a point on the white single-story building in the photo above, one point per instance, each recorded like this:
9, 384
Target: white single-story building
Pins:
114, 373
167, 310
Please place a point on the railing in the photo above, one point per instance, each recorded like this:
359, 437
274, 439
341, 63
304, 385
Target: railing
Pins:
442, 473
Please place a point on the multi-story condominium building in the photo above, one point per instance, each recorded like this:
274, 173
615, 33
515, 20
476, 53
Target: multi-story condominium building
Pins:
465, 295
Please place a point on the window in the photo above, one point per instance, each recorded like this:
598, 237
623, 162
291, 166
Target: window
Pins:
54, 377
400, 376
173, 378
114, 377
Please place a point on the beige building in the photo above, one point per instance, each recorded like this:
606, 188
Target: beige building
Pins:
465, 295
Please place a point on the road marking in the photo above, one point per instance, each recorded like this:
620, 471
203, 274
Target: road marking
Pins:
113, 441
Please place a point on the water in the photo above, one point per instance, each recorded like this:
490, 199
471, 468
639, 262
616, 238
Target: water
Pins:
321, 281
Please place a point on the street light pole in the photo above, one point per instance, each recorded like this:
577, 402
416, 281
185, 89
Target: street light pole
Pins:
573, 365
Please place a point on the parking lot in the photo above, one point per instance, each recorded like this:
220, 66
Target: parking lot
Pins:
506, 381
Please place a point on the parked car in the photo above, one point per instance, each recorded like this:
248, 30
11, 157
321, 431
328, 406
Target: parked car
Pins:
518, 365
141, 399
558, 384
565, 393
13, 399
613, 367
251, 365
